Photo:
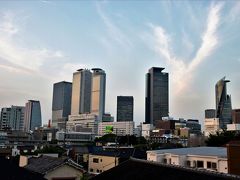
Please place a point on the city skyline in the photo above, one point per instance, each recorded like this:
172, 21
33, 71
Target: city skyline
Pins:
124, 39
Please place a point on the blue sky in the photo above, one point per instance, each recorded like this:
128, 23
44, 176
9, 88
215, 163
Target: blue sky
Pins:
42, 42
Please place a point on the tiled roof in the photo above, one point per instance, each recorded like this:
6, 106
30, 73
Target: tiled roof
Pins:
142, 170
11, 171
44, 164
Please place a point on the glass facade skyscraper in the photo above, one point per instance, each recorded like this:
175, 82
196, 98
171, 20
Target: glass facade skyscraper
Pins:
124, 108
157, 95
98, 92
81, 92
32, 115
223, 103
61, 104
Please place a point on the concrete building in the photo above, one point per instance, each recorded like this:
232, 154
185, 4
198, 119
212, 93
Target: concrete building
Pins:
83, 122
209, 158
61, 103
194, 126
210, 113
119, 128
81, 92
223, 103
98, 92
157, 95
32, 115
124, 108
211, 126
233, 127
236, 116
12, 118
146, 130
74, 137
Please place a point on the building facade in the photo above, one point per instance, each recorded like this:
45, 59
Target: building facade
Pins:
157, 95
81, 92
211, 126
119, 128
32, 115
236, 116
61, 103
209, 158
98, 92
210, 113
124, 108
223, 103
12, 118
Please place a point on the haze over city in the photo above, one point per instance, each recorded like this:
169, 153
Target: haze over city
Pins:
44, 42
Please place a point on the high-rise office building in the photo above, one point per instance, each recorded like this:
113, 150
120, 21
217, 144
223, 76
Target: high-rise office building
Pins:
236, 116
32, 116
12, 118
98, 92
61, 103
210, 113
124, 108
81, 92
157, 100
223, 103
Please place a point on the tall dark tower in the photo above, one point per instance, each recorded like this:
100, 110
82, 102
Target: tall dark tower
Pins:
124, 108
61, 103
223, 103
157, 100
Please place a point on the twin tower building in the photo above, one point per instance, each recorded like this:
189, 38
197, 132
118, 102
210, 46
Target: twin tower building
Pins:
85, 95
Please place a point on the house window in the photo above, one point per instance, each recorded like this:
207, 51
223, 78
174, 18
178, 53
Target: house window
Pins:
209, 165
100, 160
188, 163
165, 161
214, 165
97, 171
200, 164
95, 160
91, 170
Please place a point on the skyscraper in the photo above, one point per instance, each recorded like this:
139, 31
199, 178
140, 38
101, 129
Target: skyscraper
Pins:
124, 108
61, 104
98, 92
223, 103
81, 92
156, 101
13, 118
32, 116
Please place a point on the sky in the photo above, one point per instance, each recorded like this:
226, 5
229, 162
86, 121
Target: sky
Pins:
197, 42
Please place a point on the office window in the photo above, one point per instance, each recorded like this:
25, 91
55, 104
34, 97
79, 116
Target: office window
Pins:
95, 160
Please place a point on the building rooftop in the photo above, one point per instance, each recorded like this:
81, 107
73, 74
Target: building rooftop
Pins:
11, 171
201, 151
44, 164
142, 169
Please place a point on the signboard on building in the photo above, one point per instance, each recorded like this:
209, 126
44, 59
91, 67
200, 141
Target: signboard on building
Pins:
109, 129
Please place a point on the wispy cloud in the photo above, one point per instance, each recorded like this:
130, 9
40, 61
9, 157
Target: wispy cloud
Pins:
114, 31
17, 56
179, 68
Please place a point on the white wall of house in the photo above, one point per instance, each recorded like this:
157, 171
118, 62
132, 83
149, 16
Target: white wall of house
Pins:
195, 161
64, 171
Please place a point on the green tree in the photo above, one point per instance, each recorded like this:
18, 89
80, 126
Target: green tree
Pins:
221, 138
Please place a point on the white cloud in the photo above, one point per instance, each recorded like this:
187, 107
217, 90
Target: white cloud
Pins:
14, 53
115, 32
179, 68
